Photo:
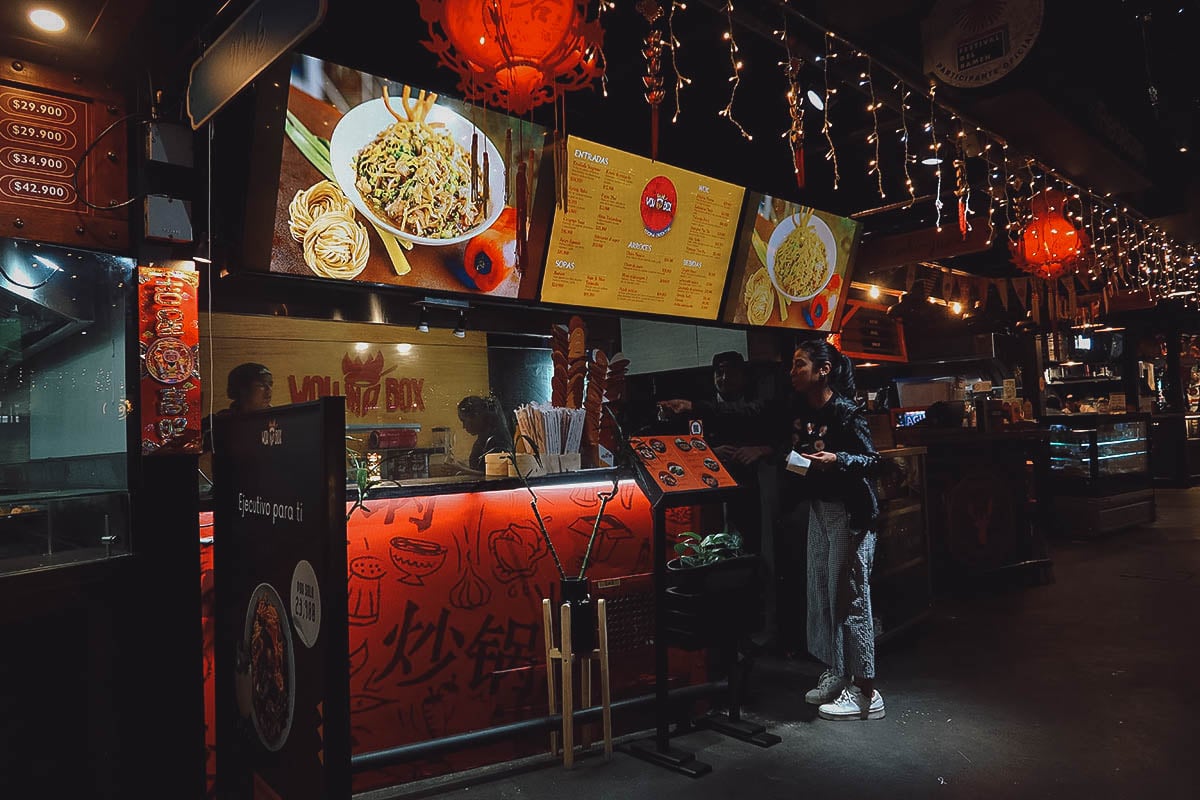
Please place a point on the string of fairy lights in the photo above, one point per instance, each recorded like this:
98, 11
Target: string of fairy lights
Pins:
873, 106
673, 42
735, 61
827, 126
1127, 250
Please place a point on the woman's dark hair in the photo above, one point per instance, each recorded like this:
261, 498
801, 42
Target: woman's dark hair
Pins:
841, 371
475, 405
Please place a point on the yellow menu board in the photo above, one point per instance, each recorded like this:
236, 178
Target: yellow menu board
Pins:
639, 235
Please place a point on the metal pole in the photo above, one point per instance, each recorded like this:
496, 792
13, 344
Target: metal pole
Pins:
662, 735
379, 759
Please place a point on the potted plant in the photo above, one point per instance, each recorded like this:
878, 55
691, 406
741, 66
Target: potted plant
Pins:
358, 472
575, 589
712, 590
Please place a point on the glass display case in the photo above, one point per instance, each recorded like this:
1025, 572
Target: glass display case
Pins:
1191, 446
1100, 473
66, 420
901, 579
1100, 449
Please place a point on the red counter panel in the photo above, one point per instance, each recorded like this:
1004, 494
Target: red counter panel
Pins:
444, 605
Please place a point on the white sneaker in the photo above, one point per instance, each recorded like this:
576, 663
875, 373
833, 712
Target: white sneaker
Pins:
851, 704
828, 687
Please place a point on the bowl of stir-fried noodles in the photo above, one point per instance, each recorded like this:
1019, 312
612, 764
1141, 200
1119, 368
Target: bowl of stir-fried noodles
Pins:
414, 178
272, 666
801, 256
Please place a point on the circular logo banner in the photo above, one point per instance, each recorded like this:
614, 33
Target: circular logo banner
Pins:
977, 42
658, 205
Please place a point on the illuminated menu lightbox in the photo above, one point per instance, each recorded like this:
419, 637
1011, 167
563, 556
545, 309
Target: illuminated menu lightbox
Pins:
641, 236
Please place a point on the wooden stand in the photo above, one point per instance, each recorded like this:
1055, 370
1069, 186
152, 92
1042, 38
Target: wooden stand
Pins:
565, 659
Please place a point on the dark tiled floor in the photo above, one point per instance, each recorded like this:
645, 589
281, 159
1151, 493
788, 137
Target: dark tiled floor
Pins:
1085, 687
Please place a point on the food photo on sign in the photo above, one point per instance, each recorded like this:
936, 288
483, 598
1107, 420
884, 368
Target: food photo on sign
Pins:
791, 267
384, 182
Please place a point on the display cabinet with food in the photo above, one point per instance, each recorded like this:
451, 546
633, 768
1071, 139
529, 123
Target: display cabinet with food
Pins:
1100, 472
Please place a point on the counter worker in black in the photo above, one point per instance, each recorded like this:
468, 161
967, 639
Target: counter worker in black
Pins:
248, 388
740, 440
481, 418
832, 432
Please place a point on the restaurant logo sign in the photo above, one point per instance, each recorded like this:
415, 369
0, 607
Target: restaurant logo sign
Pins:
367, 385
658, 205
974, 43
169, 344
272, 435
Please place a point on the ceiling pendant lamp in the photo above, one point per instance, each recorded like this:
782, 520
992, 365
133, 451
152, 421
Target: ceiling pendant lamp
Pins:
1050, 245
512, 54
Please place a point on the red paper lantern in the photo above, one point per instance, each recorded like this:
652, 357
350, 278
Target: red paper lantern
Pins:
515, 54
1050, 244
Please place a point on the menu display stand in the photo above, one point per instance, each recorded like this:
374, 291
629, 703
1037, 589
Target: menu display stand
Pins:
280, 588
674, 472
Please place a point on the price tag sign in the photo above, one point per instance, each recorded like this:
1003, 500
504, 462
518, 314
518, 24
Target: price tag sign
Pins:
306, 603
48, 120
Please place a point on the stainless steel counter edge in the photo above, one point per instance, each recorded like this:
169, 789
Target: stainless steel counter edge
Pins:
473, 484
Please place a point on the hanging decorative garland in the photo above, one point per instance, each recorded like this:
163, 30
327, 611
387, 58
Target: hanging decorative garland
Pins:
652, 47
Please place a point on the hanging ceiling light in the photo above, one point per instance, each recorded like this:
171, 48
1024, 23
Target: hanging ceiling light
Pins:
47, 20
515, 55
460, 330
1049, 245
423, 320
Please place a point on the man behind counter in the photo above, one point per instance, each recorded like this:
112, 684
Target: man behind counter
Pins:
738, 425
739, 436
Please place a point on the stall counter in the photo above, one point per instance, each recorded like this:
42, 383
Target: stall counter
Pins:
986, 501
445, 609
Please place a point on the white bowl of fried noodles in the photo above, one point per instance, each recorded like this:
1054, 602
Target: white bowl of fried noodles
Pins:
801, 256
424, 211
272, 666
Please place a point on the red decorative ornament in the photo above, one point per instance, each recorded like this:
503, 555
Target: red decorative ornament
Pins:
515, 54
1050, 244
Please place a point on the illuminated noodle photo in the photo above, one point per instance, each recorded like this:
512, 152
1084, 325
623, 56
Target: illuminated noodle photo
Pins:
310, 203
801, 262
759, 296
335, 246
416, 176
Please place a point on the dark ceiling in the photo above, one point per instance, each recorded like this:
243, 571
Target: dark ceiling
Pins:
1080, 101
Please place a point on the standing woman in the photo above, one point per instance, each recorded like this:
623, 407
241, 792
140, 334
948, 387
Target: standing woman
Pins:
830, 430
481, 418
